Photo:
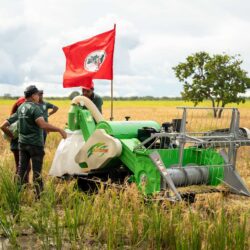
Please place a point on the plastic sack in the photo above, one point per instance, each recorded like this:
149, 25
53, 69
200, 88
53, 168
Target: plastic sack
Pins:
64, 159
13, 129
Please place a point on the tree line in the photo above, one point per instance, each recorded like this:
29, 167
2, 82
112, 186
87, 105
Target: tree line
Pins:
218, 78
105, 98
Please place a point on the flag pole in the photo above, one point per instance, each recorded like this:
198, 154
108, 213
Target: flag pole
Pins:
111, 115
111, 89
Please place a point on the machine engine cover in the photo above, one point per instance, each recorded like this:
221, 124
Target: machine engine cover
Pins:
98, 150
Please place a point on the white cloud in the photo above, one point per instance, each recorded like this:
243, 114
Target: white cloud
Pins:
152, 37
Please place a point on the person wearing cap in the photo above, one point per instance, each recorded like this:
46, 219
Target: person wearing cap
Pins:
45, 106
30, 136
88, 91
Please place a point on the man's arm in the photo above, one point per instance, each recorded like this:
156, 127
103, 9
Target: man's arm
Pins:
5, 128
5, 125
54, 110
44, 125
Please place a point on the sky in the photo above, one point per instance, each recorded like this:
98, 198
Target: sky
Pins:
151, 38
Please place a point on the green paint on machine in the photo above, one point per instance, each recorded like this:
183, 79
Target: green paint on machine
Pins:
100, 148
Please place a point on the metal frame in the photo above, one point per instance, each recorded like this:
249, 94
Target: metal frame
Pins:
231, 140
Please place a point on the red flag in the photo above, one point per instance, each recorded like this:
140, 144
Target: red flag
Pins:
89, 59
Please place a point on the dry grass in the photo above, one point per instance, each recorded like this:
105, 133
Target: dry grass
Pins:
160, 111
62, 205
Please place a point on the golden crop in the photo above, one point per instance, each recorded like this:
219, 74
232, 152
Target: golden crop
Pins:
67, 219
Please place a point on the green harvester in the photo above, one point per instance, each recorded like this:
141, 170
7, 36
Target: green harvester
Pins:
157, 157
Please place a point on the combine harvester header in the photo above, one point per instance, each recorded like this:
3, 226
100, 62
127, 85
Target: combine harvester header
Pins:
193, 150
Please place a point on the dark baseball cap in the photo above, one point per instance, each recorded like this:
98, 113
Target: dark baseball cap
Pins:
30, 90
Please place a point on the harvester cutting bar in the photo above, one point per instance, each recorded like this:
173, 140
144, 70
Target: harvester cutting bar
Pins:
177, 177
203, 157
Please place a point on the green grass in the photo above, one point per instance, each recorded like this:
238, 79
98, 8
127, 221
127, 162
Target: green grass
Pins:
67, 218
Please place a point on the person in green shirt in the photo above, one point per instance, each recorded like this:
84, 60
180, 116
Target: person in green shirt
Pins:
88, 91
14, 142
30, 136
45, 106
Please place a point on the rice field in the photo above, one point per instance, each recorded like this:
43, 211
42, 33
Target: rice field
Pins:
65, 218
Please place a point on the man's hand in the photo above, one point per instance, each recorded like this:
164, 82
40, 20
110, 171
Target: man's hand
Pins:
50, 128
5, 128
63, 133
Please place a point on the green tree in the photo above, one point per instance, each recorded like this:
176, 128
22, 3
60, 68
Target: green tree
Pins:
74, 94
218, 78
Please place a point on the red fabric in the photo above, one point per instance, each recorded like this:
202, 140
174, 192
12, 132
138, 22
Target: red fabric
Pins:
20, 101
17, 104
88, 85
89, 59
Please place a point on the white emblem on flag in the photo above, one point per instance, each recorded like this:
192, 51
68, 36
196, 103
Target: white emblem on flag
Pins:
94, 60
